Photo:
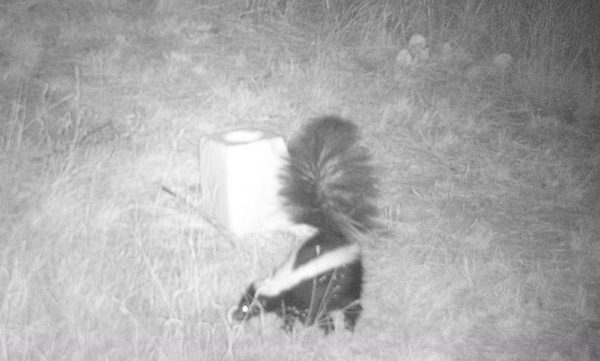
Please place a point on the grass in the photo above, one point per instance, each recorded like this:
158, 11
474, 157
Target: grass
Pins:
489, 203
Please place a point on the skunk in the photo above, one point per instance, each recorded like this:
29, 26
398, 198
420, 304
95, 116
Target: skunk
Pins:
328, 184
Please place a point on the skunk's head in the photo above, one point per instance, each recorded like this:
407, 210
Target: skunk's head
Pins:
248, 306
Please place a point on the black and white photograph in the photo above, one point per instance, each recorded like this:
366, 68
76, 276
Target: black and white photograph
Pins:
298, 180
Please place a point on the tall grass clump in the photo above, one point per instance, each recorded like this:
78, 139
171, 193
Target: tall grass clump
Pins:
553, 42
559, 67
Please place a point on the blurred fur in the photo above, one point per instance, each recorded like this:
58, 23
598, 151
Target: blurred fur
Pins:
328, 184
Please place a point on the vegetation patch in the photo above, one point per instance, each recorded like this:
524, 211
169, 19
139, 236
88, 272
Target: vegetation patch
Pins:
483, 118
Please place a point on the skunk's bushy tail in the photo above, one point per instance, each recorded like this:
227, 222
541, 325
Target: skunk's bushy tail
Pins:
328, 182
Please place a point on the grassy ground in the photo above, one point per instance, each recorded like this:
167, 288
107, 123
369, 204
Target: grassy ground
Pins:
490, 175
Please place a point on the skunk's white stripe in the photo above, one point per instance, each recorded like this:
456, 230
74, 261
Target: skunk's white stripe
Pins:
286, 277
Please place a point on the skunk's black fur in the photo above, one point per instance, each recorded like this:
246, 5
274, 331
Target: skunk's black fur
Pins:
328, 184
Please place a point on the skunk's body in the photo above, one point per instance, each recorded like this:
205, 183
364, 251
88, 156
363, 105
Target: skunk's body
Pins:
329, 185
